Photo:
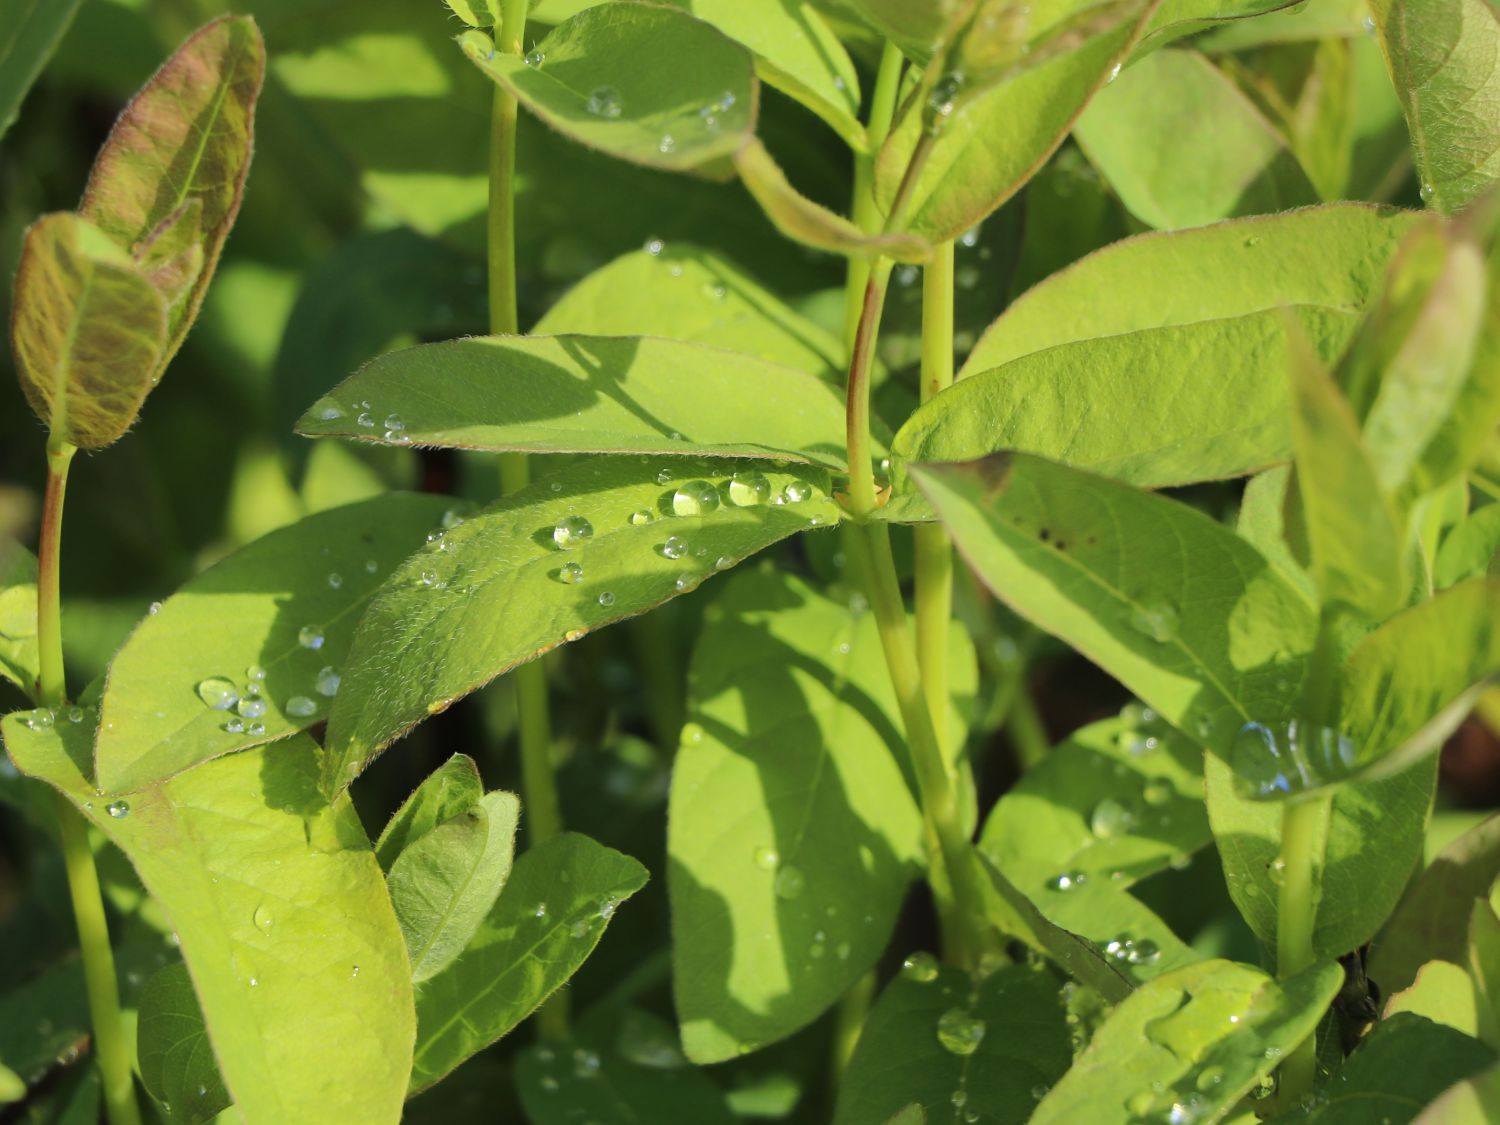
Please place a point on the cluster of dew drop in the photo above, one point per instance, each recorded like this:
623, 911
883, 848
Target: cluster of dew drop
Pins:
1276, 761
393, 426
244, 706
607, 103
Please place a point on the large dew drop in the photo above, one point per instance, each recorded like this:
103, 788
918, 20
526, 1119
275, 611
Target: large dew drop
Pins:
1111, 818
327, 683
300, 707
118, 809
605, 102
310, 637
789, 882
218, 693
920, 967
572, 533
1272, 763
959, 1031
748, 489
675, 547
695, 498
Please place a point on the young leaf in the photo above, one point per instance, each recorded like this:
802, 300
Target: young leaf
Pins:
1127, 406
31, 32
603, 540
552, 912
688, 293
88, 330
1199, 1038
1330, 258
446, 881
1262, 523
476, 13
586, 394
642, 82
1442, 56
1182, 611
283, 917
448, 791
251, 649
1183, 146
792, 833
18, 655
1468, 550
1356, 542
176, 1060
955, 1046
1375, 838
795, 51
185, 138
1429, 923
1404, 1063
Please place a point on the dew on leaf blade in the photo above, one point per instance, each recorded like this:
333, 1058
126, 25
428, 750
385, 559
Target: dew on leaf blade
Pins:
960, 1032
218, 693
695, 498
251, 707
1156, 619
606, 599
300, 707
676, 547
327, 683
310, 637
1272, 763
796, 492
1067, 881
569, 574
748, 489
789, 882
641, 518
118, 809
605, 102
1111, 818
572, 532
920, 967
767, 858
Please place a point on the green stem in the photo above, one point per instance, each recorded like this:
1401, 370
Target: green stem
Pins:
853, 1010
100, 978
1304, 834
857, 416
502, 213
863, 211
1024, 726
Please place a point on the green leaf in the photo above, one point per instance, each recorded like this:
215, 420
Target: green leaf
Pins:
1354, 537
18, 654
617, 1069
552, 912
33, 29
987, 153
1430, 922
88, 330
1484, 968
503, 589
1473, 1100
1262, 523
1401, 1065
445, 882
644, 83
1330, 258
176, 1060
914, 24
1183, 146
586, 394
282, 915
1410, 683
1442, 56
447, 792
475, 13
185, 138
1010, 1031
795, 51
1468, 550
1374, 843
285, 606
1201, 1037
792, 834
1143, 421
1179, 609
1441, 992
685, 292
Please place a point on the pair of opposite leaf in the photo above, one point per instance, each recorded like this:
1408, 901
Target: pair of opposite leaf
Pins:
105, 295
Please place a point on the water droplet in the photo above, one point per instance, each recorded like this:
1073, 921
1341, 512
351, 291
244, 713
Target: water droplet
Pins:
118, 809
1187, 1111
585, 1062
641, 518
1427, 191
695, 498
767, 858
654, 246
960, 1032
606, 599
1210, 1078
41, 719
371, 566
75, 714
796, 492
605, 102
154, 608
572, 533
235, 726
394, 425
1111, 818
535, 58
310, 637
1276, 870
667, 144
366, 419
960, 1098
1038, 1092
1157, 791
664, 477
675, 547
789, 882
1158, 620
335, 580
328, 681
1067, 881
263, 919
256, 728
540, 911
944, 92
328, 411
1272, 763
607, 907
251, 707
747, 489
723, 562
355, 971
569, 574
580, 928
218, 693
300, 707
921, 967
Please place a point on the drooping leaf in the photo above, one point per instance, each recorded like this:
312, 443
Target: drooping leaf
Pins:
1469, 549
447, 792
1182, 611
176, 1060
688, 293
18, 654
1154, 1049
1429, 923
1330, 257
1183, 146
645, 83
445, 882
88, 331
30, 31
956, 1046
282, 916
792, 834
1443, 58
1402, 1065
1374, 843
591, 394
251, 649
185, 138
552, 912
797, 52
603, 540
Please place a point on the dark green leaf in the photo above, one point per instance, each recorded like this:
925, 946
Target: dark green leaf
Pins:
32, 30
551, 914
503, 588
176, 1060
451, 789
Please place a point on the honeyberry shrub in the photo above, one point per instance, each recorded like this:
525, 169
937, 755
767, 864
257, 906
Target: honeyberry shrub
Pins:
1134, 357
